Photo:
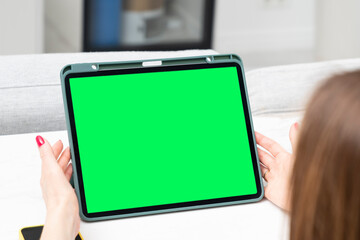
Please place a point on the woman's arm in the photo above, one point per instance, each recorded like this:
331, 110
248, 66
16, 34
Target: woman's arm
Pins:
62, 209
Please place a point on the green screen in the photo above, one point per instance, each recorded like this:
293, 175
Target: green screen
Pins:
157, 138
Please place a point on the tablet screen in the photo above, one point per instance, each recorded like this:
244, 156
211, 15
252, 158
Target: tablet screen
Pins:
161, 138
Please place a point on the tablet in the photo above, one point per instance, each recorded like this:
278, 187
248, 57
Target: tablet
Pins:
160, 136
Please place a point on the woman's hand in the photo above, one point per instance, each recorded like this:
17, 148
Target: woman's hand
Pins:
277, 167
62, 216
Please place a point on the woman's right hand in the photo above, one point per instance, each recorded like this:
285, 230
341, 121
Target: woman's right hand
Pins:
277, 169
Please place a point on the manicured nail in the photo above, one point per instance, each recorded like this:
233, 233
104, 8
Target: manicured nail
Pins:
296, 125
40, 141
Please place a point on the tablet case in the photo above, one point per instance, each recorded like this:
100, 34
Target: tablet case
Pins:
103, 66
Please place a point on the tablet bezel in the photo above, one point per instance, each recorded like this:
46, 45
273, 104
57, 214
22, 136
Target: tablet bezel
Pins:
166, 207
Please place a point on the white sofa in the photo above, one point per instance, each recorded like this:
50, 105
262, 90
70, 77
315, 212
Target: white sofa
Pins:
31, 102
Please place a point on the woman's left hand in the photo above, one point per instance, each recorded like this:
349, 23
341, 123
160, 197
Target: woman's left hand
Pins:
277, 167
62, 208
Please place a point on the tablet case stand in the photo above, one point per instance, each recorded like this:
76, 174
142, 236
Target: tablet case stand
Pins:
94, 67
104, 66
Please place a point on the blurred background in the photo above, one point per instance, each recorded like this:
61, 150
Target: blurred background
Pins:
262, 32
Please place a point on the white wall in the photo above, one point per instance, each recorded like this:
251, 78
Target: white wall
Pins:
266, 32
338, 24
262, 32
63, 25
21, 26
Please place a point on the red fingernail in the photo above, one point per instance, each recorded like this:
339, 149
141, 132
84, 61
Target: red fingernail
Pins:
296, 125
40, 141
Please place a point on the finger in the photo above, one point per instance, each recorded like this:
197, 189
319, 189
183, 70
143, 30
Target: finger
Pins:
68, 171
57, 148
264, 172
46, 151
270, 145
265, 158
293, 135
64, 158
266, 192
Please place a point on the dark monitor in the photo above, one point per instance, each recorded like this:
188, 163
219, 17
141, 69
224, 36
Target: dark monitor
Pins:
137, 25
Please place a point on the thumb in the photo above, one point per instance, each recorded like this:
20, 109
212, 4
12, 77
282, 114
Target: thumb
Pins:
293, 135
45, 149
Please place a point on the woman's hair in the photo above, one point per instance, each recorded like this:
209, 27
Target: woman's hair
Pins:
325, 199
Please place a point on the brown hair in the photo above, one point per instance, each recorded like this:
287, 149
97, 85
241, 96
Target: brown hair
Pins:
325, 201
